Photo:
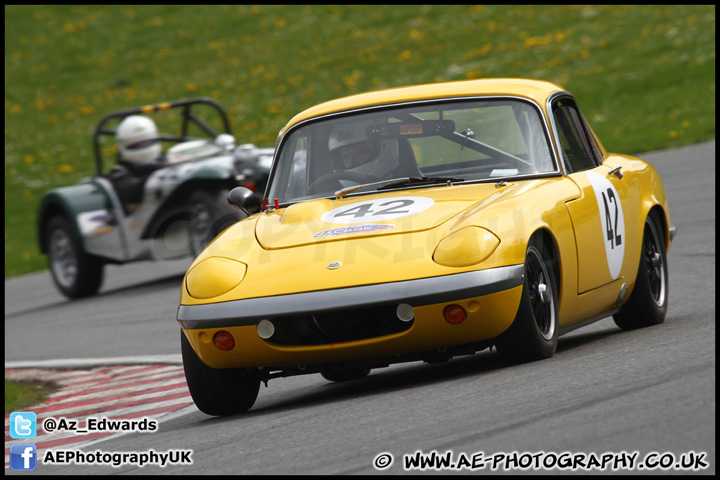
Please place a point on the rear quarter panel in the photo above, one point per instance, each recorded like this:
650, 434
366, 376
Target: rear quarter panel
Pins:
647, 193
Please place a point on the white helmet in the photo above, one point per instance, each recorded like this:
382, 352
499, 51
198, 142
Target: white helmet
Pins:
138, 140
380, 156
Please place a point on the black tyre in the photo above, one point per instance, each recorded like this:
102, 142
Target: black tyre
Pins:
533, 334
648, 301
211, 214
75, 273
218, 391
345, 375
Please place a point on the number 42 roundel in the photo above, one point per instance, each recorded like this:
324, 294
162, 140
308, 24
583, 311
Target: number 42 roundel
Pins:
612, 220
378, 210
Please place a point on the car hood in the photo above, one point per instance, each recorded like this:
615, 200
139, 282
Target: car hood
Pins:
389, 213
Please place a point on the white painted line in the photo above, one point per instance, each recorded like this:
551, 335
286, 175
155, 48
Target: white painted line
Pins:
96, 362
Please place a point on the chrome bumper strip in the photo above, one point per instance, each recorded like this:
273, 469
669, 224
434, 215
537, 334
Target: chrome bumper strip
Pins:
418, 292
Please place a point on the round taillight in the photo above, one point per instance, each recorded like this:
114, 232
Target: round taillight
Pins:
224, 340
454, 314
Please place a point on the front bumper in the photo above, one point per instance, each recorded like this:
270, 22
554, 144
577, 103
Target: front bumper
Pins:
490, 297
419, 292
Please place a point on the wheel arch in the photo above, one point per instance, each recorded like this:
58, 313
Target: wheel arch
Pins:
544, 238
69, 202
658, 212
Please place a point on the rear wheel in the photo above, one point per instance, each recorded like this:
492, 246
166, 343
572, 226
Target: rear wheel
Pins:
218, 391
533, 334
648, 302
211, 214
75, 273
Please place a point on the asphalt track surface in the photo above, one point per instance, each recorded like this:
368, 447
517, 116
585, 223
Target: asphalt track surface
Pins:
649, 392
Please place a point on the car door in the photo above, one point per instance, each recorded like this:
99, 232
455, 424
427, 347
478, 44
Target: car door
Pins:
598, 215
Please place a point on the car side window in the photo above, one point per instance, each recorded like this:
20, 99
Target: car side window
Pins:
575, 142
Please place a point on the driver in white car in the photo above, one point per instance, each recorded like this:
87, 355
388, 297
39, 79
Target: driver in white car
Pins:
139, 154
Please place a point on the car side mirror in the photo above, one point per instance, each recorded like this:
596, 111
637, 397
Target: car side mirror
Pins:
244, 200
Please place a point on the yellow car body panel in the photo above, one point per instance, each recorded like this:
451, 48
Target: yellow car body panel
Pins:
365, 256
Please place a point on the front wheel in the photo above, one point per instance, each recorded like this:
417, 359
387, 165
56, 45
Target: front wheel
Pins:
648, 302
218, 391
75, 273
533, 334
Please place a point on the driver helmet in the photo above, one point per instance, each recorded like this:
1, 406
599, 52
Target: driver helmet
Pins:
351, 149
138, 140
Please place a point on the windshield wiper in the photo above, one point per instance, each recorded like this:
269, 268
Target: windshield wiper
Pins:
346, 190
399, 182
422, 181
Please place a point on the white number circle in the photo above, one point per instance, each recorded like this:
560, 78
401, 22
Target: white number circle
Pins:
378, 210
612, 221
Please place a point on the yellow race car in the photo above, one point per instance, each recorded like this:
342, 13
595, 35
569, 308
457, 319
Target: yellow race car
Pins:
419, 224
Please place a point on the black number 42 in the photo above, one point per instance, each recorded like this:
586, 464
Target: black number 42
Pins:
613, 235
393, 207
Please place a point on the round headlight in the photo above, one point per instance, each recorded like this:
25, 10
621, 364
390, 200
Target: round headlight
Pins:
467, 246
214, 276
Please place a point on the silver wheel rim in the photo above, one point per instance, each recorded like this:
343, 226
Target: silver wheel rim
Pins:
542, 300
655, 264
63, 259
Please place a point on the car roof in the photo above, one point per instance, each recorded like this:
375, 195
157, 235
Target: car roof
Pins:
537, 90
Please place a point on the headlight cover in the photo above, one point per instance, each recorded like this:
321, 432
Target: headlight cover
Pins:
214, 276
468, 246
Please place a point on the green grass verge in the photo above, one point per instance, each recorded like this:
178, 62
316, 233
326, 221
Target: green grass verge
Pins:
643, 75
22, 395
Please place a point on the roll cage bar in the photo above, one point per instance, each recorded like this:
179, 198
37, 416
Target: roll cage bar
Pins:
187, 118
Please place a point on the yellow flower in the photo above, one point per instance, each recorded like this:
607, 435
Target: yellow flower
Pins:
65, 168
673, 133
351, 80
29, 159
404, 55
534, 41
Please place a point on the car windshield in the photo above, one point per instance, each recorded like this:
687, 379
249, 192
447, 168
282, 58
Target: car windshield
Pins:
412, 145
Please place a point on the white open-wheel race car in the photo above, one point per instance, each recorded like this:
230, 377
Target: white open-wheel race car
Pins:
164, 209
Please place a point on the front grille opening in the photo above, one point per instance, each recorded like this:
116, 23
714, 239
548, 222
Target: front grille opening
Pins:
338, 326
